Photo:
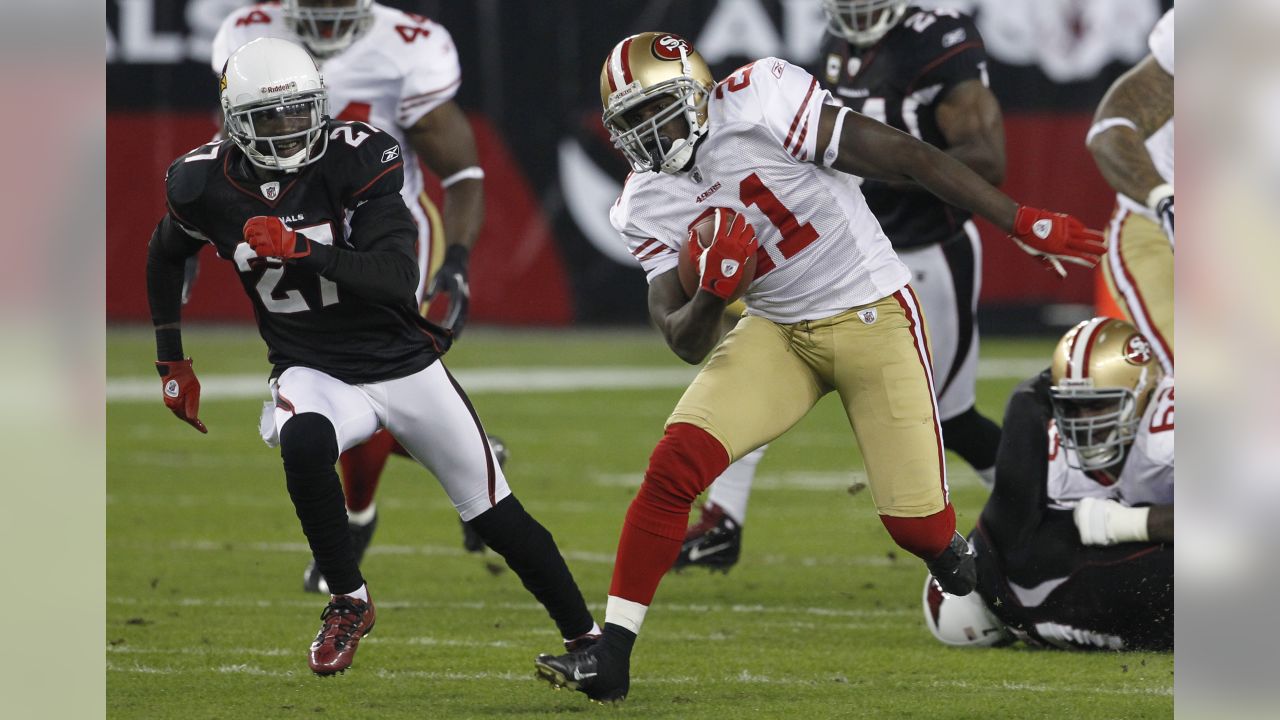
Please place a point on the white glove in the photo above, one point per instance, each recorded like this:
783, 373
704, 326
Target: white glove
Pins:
1107, 522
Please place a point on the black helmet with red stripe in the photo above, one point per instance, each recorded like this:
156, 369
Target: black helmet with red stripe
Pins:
1103, 375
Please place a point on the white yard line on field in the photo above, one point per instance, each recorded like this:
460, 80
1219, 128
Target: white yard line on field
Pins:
513, 380
745, 677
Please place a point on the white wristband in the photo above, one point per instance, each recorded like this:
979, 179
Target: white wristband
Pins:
833, 147
1157, 194
468, 173
1106, 124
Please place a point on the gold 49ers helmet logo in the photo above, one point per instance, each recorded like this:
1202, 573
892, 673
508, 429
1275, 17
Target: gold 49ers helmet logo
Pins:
667, 47
1137, 351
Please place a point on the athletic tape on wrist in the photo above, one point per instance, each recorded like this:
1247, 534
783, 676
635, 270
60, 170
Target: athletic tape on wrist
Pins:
1157, 194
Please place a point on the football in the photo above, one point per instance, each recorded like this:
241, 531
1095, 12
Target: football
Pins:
701, 233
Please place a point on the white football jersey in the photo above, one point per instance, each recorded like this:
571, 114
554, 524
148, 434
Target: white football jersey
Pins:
1147, 476
821, 249
403, 67
1160, 144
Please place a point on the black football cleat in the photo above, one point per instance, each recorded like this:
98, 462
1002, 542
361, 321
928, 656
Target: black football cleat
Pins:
592, 671
956, 569
361, 536
714, 542
471, 540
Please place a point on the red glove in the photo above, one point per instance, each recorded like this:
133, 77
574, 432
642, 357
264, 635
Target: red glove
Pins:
1056, 238
181, 391
270, 237
720, 265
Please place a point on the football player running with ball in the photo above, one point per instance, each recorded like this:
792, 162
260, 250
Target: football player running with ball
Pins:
1075, 545
309, 211
400, 73
829, 308
923, 72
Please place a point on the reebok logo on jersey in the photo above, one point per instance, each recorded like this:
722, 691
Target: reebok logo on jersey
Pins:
954, 37
777, 69
270, 190
171, 388
708, 192
1042, 228
729, 268
867, 316
391, 153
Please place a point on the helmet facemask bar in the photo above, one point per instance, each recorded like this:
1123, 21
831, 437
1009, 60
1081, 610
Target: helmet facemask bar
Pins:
328, 30
271, 150
863, 22
1097, 424
643, 144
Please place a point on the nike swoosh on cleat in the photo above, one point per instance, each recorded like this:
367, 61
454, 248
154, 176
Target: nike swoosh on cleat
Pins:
697, 553
578, 675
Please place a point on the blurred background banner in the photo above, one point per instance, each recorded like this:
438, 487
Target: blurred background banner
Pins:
547, 254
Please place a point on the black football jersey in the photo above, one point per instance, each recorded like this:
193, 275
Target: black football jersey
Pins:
899, 81
348, 199
1037, 576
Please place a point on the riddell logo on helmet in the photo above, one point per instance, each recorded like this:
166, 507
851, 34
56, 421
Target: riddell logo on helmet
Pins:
286, 87
667, 47
1137, 351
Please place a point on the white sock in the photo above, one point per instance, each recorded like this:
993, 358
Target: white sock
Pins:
595, 630
731, 491
987, 476
362, 517
361, 593
625, 613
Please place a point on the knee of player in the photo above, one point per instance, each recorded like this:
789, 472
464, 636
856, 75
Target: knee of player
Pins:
308, 439
685, 462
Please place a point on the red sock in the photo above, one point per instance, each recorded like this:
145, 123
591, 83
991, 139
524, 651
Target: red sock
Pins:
683, 464
924, 537
362, 468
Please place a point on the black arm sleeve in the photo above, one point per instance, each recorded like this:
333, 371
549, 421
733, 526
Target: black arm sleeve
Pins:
167, 254
383, 268
1018, 500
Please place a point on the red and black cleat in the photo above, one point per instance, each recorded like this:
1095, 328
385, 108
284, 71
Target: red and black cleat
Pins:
714, 542
346, 621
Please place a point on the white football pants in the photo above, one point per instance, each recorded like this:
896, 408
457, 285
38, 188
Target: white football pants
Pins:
427, 412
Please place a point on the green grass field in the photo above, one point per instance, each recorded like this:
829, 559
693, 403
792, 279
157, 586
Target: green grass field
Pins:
821, 619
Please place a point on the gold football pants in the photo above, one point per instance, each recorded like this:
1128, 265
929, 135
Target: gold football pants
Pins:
1139, 273
765, 376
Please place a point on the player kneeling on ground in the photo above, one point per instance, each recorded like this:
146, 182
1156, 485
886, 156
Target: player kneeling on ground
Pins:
309, 211
829, 307
1075, 545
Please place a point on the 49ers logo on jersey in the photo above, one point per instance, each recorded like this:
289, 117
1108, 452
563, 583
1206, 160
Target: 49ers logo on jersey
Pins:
667, 47
1137, 351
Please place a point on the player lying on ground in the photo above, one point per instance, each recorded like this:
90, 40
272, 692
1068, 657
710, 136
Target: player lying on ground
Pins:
309, 211
923, 72
400, 73
1075, 545
767, 157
